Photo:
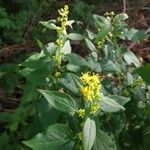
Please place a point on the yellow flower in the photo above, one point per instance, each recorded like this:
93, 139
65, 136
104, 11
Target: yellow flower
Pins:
94, 108
87, 92
81, 113
86, 77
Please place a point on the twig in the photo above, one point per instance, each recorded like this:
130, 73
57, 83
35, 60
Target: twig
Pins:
10, 99
124, 6
6, 110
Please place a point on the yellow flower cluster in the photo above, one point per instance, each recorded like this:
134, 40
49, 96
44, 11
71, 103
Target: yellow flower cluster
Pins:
91, 88
59, 42
57, 57
91, 92
63, 12
62, 19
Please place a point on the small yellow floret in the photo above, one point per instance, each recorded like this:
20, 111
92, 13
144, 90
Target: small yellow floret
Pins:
81, 113
87, 92
86, 77
94, 108
91, 88
80, 135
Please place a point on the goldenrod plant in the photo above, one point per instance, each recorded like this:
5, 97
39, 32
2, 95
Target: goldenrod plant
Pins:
75, 103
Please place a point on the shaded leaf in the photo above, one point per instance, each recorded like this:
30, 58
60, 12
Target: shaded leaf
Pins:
103, 142
144, 73
54, 138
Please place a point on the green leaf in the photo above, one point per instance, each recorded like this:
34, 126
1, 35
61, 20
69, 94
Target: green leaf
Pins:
116, 127
94, 65
103, 142
120, 18
91, 35
120, 99
103, 24
76, 36
71, 82
76, 59
130, 58
90, 45
60, 101
73, 68
39, 43
5, 116
109, 105
67, 47
49, 25
144, 73
44, 109
76, 62
109, 66
5, 141
130, 78
38, 77
89, 134
135, 35
47, 116
70, 22
54, 138
50, 49
35, 61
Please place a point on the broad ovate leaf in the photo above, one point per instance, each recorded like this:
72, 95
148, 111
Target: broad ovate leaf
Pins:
71, 82
60, 101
